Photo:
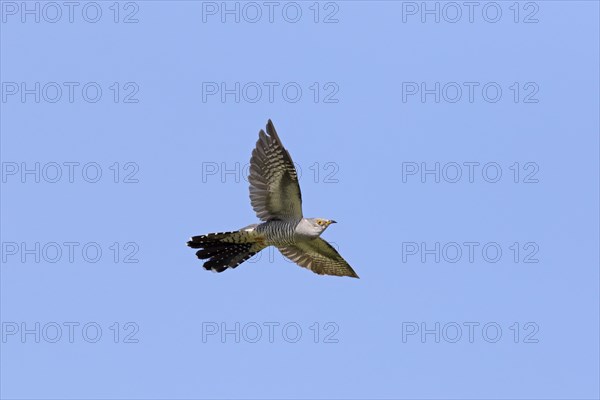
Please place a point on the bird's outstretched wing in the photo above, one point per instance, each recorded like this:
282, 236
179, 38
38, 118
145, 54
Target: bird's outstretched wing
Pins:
318, 256
274, 189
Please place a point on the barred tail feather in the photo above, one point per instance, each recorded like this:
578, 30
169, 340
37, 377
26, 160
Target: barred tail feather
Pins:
225, 249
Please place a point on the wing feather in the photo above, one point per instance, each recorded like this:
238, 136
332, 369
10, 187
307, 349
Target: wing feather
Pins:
274, 189
318, 256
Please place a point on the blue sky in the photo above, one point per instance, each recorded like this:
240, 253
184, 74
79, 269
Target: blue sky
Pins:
459, 157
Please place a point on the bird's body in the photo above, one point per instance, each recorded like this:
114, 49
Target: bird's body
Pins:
278, 233
282, 233
276, 199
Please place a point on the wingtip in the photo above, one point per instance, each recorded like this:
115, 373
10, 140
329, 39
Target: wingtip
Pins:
271, 128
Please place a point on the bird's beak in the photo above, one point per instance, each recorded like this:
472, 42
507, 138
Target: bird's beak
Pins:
332, 221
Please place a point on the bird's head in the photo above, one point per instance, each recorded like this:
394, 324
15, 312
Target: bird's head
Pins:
320, 224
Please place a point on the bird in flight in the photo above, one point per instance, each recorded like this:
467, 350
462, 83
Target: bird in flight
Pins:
276, 199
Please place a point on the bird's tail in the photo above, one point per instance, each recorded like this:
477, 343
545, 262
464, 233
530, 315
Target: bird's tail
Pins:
226, 249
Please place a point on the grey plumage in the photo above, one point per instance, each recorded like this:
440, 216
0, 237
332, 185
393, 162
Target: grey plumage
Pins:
278, 232
276, 198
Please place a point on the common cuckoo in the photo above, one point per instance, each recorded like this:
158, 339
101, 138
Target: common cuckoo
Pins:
276, 199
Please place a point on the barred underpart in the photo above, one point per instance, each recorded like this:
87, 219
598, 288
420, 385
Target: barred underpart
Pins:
278, 233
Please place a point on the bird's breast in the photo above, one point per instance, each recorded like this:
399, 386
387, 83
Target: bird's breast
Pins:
279, 233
